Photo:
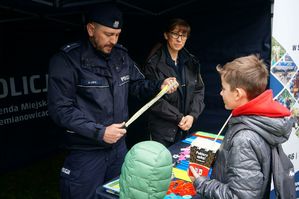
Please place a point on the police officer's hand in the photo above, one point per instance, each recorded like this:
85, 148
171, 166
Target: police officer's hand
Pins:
114, 132
186, 122
172, 83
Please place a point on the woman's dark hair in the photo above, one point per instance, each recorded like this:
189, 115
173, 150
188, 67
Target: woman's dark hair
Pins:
183, 26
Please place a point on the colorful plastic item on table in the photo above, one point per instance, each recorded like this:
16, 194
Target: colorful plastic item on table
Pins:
211, 136
189, 140
182, 161
173, 196
181, 187
187, 197
183, 165
180, 174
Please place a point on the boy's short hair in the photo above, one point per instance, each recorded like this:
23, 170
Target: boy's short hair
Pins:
249, 72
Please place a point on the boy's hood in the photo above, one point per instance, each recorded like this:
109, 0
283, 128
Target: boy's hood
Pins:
266, 117
262, 105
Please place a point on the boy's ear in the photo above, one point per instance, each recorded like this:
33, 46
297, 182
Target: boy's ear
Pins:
241, 93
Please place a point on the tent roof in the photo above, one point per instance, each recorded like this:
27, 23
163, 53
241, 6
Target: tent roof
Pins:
68, 11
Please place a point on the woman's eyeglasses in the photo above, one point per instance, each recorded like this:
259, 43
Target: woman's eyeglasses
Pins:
176, 35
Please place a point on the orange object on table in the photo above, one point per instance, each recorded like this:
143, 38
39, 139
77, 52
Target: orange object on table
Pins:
181, 187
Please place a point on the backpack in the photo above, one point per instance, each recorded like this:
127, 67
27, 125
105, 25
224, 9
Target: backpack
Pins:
283, 174
282, 171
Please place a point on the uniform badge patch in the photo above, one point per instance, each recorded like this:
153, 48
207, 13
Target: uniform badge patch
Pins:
125, 78
115, 24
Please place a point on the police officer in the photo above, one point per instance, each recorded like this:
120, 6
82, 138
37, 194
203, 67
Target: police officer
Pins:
88, 88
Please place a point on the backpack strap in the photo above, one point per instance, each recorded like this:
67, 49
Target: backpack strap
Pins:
283, 174
281, 167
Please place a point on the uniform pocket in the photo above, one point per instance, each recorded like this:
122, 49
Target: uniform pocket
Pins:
71, 169
69, 182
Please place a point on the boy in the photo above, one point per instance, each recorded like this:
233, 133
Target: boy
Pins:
242, 168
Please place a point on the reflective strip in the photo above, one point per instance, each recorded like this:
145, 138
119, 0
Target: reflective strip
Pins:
123, 83
92, 86
70, 131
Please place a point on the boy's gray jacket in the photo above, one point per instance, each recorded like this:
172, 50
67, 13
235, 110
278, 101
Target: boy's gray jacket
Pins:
243, 165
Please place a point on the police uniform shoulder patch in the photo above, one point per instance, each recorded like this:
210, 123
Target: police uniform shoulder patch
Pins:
68, 47
119, 46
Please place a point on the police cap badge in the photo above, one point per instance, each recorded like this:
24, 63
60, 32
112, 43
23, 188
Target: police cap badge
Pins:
106, 14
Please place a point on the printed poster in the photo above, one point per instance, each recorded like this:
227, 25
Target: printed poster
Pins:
284, 71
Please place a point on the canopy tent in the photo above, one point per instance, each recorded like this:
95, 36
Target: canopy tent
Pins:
32, 30
67, 11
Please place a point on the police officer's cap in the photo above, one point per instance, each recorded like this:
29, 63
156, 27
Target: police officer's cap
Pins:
106, 14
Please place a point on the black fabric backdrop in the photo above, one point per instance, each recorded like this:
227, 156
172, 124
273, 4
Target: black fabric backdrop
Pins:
220, 33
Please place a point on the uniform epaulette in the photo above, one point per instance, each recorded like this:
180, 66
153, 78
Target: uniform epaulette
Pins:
119, 46
68, 47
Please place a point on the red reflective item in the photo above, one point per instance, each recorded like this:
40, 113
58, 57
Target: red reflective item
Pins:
181, 187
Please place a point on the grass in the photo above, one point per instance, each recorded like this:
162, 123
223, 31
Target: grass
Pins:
39, 180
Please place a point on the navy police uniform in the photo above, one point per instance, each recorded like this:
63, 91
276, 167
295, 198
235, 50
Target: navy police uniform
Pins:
88, 91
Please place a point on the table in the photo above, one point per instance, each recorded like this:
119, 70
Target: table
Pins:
174, 149
102, 194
